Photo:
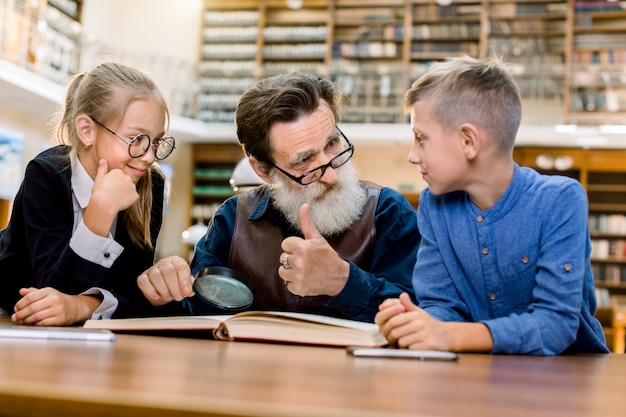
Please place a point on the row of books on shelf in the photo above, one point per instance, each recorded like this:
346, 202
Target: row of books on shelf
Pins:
390, 31
600, 41
470, 48
213, 173
230, 17
517, 46
594, 99
215, 116
365, 49
605, 249
600, 56
382, 85
226, 67
513, 9
614, 274
454, 10
212, 191
230, 33
297, 50
535, 27
212, 99
224, 84
586, 21
365, 15
295, 32
597, 6
612, 224
446, 31
203, 211
234, 50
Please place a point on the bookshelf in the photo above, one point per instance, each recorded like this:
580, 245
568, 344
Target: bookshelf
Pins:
42, 36
438, 31
531, 35
367, 64
228, 58
211, 170
294, 39
596, 85
568, 57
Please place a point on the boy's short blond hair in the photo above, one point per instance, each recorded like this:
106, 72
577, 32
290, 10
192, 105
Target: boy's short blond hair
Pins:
470, 90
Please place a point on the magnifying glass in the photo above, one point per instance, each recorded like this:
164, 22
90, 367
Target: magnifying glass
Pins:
223, 288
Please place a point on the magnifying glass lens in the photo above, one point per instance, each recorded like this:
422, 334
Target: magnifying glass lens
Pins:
222, 291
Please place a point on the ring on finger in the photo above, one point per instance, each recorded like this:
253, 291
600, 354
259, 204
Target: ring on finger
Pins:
285, 261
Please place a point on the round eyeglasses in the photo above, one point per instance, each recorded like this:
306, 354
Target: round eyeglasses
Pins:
139, 145
317, 173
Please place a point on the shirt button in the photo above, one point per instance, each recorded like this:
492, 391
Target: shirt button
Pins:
485, 251
567, 267
107, 254
524, 259
492, 297
480, 219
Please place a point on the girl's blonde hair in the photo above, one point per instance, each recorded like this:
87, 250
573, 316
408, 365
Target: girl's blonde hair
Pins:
104, 93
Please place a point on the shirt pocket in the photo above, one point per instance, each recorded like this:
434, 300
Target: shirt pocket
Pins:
518, 269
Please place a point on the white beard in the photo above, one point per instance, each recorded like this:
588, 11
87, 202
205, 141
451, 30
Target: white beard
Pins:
333, 207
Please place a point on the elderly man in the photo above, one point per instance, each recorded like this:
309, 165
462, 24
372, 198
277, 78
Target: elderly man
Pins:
314, 238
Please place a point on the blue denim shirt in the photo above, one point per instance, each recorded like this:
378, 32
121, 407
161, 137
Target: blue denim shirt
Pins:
520, 267
393, 258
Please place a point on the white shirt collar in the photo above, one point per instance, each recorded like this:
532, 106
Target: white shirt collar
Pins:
82, 184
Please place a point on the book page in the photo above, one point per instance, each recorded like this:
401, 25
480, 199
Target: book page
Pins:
315, 318
300, 328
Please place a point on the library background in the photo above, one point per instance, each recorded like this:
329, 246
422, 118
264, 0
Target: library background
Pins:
568, 57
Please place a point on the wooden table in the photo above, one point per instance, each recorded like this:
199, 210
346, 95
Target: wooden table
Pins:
166, 376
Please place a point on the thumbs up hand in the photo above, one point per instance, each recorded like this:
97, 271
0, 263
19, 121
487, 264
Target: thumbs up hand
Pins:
314, 266
307, 226
113, 191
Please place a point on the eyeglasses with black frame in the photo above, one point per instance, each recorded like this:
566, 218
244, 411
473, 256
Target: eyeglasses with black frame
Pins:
139, 145
316, 174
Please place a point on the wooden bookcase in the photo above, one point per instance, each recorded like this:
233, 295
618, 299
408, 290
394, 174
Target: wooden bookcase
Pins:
568, 57
368, 58
212, 168
437, 32
596, 86
294, 39
228, 59
42, 36
532, 36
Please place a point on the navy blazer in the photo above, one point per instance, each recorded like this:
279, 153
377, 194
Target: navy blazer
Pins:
35, 250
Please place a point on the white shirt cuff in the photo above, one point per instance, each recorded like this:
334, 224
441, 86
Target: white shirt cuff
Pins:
107, 306
97, 249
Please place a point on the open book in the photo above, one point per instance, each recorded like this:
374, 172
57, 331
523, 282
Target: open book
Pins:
259, 326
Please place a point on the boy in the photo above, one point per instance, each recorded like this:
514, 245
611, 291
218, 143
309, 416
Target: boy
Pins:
503, 266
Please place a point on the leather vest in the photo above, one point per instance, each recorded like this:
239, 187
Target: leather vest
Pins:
255, 251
